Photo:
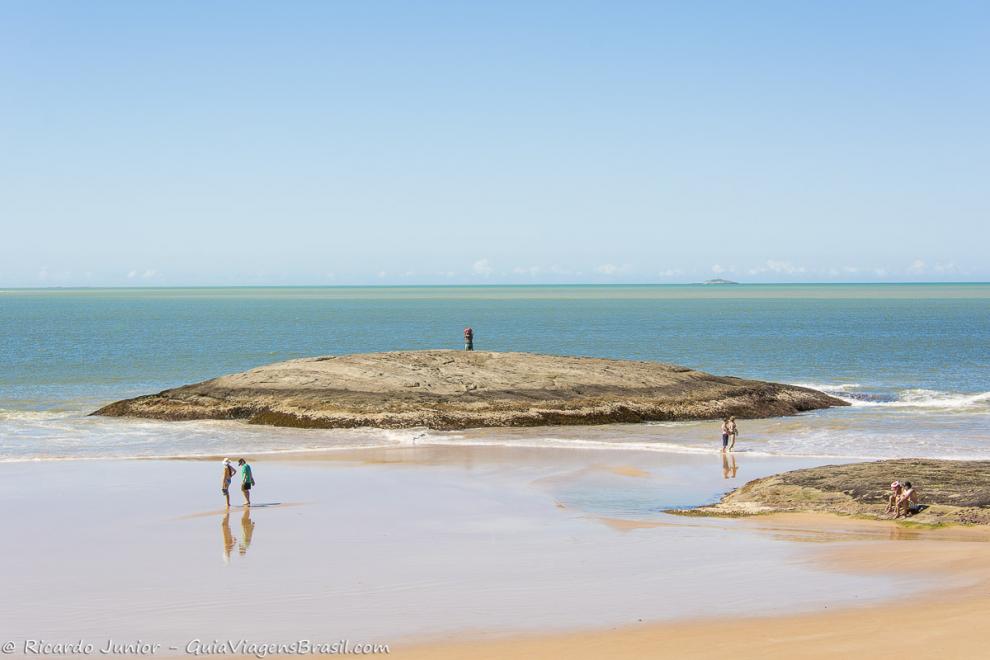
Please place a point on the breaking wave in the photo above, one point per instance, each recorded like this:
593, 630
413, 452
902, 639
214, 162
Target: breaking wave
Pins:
853, 394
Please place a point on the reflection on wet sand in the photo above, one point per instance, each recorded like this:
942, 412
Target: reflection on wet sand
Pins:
827, 527
228, 538
729, 467
247, 533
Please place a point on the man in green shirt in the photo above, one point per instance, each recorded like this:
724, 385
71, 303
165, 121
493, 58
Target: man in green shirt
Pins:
247, 480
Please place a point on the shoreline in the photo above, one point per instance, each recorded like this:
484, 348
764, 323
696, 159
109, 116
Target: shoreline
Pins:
837, 435
939, 622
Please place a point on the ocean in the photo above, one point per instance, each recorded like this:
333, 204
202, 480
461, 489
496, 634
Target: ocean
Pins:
912, 359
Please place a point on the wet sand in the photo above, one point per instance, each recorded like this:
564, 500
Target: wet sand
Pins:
947, 622
414, 545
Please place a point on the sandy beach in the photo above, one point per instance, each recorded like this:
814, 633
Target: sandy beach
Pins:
495, 330
944, 623
463, 552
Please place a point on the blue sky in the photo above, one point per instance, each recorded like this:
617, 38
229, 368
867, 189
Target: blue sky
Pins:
185, 143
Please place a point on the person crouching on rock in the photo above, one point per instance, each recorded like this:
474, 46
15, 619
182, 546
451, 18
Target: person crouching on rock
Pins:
895, 496
907, 503
468, 339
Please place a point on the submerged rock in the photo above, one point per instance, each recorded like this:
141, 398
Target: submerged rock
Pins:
464, 389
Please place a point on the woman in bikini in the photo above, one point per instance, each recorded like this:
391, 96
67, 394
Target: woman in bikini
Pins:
895, 496
228, 474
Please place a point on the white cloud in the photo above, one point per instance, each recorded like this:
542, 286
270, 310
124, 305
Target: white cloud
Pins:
778, 267
144, 275
535, 270
835, 271
783, 267
482, 267
670, 272
917, 267
945, 268
612, 269
382, 274
718, 269
880, 272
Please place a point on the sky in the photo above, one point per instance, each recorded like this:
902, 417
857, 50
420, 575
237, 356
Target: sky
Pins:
322, 143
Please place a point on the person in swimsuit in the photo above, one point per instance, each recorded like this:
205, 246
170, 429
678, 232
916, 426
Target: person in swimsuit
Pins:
247, 481
895, 495
228, 474
907, 504
733, 432
725, 433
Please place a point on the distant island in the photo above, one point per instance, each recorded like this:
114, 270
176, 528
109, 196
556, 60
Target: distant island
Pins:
443, 389
719, 280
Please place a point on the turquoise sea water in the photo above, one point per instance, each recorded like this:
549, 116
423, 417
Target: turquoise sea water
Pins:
914, 358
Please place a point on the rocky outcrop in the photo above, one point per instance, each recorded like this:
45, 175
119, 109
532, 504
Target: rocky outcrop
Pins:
951, 491
462, 389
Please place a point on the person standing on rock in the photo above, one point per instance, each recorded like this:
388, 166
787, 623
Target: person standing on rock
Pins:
468, 339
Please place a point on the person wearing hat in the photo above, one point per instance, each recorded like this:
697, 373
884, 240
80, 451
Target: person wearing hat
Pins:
228, 474
896, 489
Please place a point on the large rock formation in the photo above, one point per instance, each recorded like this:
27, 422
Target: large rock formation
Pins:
952, 491
460, 389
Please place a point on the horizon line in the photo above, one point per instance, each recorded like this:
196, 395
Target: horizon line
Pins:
474, 285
